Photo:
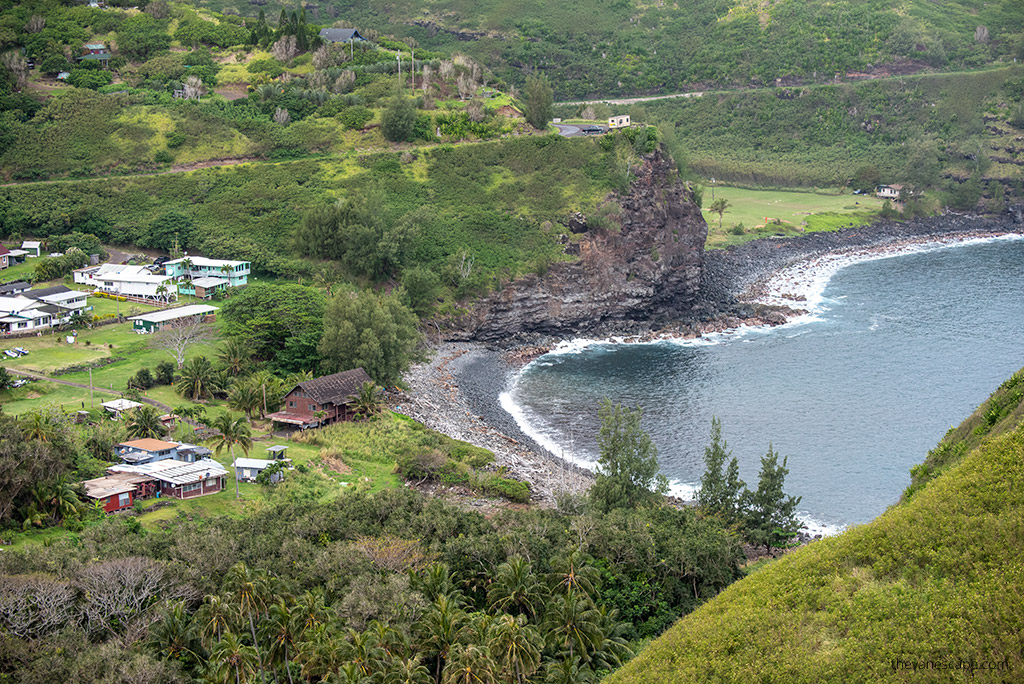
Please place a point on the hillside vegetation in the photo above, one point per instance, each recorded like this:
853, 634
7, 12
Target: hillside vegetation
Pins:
931, 584
923, 130
600, 49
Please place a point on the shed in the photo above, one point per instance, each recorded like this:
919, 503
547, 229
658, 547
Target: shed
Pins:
620, 121
277, 451
246, 469
206, 287
119, 406
32, 248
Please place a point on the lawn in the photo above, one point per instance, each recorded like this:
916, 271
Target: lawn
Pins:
795, 211
22, 271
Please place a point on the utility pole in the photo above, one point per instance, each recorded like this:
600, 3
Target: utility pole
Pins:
398, 56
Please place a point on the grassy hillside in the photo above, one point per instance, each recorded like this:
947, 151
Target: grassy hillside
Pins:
629, 47
922, 130
934, 583
497, 203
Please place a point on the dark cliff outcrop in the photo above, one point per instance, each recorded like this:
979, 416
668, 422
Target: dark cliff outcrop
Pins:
647, 270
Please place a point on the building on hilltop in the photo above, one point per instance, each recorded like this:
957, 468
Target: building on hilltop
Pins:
340, 35
321, 401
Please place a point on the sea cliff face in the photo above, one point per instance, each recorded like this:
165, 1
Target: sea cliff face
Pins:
649, 269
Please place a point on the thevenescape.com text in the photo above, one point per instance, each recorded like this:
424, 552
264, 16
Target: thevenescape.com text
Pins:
969, 667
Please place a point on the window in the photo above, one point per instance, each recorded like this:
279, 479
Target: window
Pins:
191, 487
212, 482
123, 500
291, 404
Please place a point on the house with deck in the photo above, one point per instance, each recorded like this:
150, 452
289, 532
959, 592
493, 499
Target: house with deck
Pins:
163, 478
890, 192
321, 401
235, 273
119, 491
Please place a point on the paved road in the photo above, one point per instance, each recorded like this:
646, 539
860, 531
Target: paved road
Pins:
568, 130
634, 100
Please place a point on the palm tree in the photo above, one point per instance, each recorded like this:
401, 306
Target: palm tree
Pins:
278, 630
363, 651
144, 422
250, 591
225, 271
37, 427
517, 645
369, 401
319, 653
232, 432
571, 624
197, 380
573, 573
214, 618
719, 206
436, 581
234, 355
231, 657
162, 291
246, 397
406, 671
516, 588
470, 664
173, 636
310, 611
439, 629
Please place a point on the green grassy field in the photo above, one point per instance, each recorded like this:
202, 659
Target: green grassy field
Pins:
798, 211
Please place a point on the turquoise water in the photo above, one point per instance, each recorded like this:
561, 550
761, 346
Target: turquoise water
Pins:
898, 350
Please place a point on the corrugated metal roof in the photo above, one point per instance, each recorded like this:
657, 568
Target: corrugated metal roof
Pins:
175, 472
174, 314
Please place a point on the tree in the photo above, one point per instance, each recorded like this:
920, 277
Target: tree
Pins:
249, 589
6, 379
375, 332
164, 373
177, 336
234, 355
144, 422
278, 322
627, 474
233, 661
198, 380
517, 646
866, 179
54, 64
233, 431
538, 100
770, 514
516, 589
17, 66
370, 400
398, 119
721, 493
141, 36
719, 206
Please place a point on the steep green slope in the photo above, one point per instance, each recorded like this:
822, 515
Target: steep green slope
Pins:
624, 47
934, 582
915, 129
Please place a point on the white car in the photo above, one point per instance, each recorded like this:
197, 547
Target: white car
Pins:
12, 354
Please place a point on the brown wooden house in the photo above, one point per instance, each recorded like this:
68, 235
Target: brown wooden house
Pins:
321, 401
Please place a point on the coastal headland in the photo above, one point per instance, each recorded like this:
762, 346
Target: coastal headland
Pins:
765, 282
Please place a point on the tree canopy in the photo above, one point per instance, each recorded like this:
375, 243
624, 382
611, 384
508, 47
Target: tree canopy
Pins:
628, 474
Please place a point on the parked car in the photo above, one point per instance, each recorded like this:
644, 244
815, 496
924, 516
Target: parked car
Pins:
12, 354
19, 383
21, 350
161, 260
591, 130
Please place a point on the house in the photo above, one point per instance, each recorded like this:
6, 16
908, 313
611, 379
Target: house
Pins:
177, 479
340, 35
143, 286
118, 491
117, 407
190, 453
889, 191
621, 121
321, 401
246, 469
235, 272
14, 288
148, 450
22, 314
205, 288
95, 52
33, 248
5, 257
68, 302
152, 322
91, 275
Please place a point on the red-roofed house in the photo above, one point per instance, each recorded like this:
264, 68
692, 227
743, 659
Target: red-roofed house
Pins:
321, 401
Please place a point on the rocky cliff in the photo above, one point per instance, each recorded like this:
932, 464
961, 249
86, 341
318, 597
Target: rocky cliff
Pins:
648, 269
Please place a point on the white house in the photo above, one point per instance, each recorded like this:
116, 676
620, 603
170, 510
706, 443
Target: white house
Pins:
889, 191
621, 121
67, 301
32, 248
21, 314
139, 286
120, 406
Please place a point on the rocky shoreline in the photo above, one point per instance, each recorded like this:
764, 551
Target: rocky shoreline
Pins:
457, 391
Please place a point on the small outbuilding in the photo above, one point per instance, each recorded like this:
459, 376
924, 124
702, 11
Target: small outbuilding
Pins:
32, 248
621, 121
117, 407
247, 469
152, 322
340, 35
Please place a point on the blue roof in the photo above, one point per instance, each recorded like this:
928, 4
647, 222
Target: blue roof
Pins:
340, 35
